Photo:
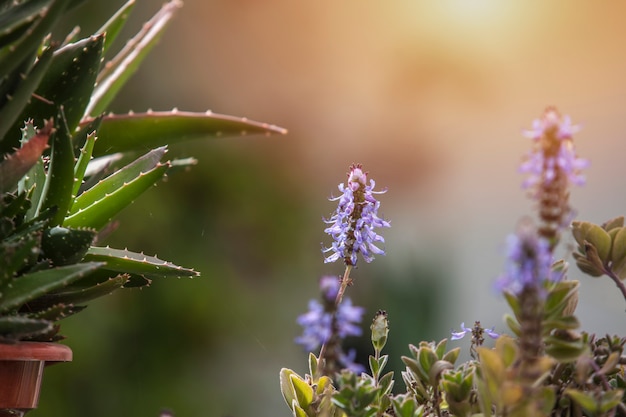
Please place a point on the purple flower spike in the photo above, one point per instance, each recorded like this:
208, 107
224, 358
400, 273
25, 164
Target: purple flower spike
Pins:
353, 224
529, 262
318, 323
553, 150
552, 167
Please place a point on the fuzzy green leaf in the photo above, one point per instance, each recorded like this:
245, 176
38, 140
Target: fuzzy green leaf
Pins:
36, 284
98, 214
303, 391
618, 253
138, 131
119, 69
286, 387
136, 263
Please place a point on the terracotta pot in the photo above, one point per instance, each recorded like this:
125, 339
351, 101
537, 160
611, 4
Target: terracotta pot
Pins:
21, 371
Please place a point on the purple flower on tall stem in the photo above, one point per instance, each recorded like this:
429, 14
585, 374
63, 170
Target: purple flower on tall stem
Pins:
529, 262
353, 224
323, 320
552, 166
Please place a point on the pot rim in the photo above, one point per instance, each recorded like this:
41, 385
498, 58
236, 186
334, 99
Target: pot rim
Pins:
35, 351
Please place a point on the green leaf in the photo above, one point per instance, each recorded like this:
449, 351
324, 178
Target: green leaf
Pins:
303, 391
286, 387
13, 108
118, 180
66, 246
136, 263
17, 18
138, 131
98, 214
16, 255
617, 222
618, 254
60, 179
68, 82
81, 164
119, 69
79, 296
36, 284
26, 47
115, 23
56, 312
20, 327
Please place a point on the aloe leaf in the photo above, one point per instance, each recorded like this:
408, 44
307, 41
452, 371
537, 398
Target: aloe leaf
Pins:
66, 246
19, 327
27, 45
115, 23
69, 81
17, 19
122, 133
100, 212
119, 179
79, 296
117, 71
122, 260
60, 178
55, 312
13, 108
15, 255
100, 276
16, 165
33, 285
81, 164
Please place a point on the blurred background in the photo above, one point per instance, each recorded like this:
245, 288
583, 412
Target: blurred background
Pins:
431, 97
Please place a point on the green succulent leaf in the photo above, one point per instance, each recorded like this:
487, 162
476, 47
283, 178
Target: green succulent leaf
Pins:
70, 81
100, 212
114, 25
66, 246
55, 312
125, 261
119, 69
35, 284
68, 296
616, 222
20, 327
82, 163
595, 404
13, 109
138, 131
119, 179
618, 253
60, 177
11, 57
286, 387
18, 18
17, 254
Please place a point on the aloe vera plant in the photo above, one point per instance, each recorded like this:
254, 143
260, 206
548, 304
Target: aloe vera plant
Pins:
67, 168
